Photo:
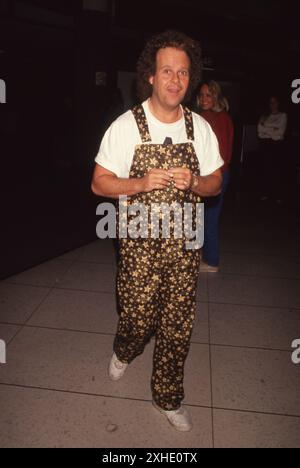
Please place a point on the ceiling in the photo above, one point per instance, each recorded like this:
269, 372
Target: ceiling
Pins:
219, 16
234, 33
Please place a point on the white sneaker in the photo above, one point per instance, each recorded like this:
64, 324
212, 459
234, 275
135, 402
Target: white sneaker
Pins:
116, 368
180, 419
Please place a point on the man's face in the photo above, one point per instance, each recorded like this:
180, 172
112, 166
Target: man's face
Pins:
172, 77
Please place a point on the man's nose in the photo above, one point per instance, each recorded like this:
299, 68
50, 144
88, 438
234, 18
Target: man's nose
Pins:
176, 77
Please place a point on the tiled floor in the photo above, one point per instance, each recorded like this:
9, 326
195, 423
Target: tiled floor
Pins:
242, 389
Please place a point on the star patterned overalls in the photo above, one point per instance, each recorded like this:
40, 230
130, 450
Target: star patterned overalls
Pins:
157, 277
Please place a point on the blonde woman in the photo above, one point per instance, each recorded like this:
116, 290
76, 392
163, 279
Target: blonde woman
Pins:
214, 108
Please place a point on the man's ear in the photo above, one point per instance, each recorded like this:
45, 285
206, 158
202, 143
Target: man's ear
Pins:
151, 79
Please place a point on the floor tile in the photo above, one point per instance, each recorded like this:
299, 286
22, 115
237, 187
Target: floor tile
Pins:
201, 331
255, 380
253, 326
78, 362
7, 332
270, 292
90, 277
255, 241
197, 381
46, 274
18, 302
273, 266
249, 430
78, 310
37, 418
202, 289
101, 251
72, 255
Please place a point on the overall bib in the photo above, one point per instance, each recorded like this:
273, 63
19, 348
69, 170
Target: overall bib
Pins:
157, 277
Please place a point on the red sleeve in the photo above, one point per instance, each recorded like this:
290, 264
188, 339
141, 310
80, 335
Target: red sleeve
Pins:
226, 133
230, 138
222, 125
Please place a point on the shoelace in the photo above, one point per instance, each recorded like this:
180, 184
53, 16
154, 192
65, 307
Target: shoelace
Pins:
119, 365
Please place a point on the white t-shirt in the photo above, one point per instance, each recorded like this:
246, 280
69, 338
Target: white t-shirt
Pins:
118, 145
273, 127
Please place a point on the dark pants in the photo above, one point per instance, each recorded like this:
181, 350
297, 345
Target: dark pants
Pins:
157, 295
272, 169
212, 212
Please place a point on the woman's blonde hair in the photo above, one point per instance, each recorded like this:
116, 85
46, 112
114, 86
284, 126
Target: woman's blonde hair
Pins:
221, 102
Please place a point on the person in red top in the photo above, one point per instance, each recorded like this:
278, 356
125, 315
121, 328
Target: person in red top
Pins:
214, 109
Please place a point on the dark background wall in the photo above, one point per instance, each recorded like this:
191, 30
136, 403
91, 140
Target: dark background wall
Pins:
60, 61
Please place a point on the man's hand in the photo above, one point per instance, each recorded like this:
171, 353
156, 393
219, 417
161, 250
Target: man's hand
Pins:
182, 177
207, 186
156, 179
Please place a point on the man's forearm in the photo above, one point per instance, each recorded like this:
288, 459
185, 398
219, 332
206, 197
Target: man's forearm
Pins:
113, 187
208, 186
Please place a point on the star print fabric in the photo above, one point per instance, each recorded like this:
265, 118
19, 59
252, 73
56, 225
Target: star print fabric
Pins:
157, 277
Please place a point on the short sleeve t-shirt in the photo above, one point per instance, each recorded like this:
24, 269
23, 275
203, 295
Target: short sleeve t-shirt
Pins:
118, 145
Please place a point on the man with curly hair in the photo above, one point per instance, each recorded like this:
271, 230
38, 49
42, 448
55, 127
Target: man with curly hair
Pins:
159, 153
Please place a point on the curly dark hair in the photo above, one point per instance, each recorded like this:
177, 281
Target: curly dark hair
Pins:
146, 65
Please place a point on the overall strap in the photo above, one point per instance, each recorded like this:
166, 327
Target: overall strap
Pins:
189, 124
141, 120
